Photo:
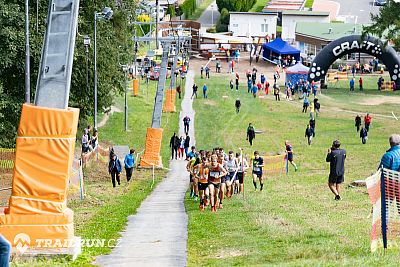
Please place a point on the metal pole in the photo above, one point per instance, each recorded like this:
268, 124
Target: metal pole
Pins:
87, 67
27, 56
157, 17
212, 15
126, 100
95, 71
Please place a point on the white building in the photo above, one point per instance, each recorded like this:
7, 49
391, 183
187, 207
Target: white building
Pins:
291, 18
253, 24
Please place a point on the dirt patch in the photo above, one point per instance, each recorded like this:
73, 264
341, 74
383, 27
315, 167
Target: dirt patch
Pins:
378, 100
210, 103
228, 253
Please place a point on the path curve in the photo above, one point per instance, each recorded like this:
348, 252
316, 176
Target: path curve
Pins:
156, 235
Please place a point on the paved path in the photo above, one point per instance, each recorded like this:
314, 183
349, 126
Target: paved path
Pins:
210, 16
156, 235
360, 10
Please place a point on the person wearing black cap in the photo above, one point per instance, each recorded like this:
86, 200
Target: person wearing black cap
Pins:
336, 156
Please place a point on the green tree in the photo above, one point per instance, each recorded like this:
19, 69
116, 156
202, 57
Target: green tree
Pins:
113, 46
236, 5
386, 24
223, 22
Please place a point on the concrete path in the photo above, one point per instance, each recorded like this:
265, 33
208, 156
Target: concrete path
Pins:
156, 235
210, 16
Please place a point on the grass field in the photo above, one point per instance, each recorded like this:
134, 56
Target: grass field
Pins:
259, 5
294, 221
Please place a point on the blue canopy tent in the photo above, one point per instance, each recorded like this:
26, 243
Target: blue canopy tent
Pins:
279, 48
296, 73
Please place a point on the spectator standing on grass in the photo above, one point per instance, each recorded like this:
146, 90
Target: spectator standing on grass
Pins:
5, 250
380, 82
289, 154
309, 134
174, 145
363, 135
367, 121
391, 159
129, 161
233, 66
312, 125
336, 157
95, 139
277, 92
181, 149
254, 90
195, 88
351, 84
262, 79
205, 88
360, 82
231, 84
115, 169
201, 71
251, 134
357, 121
306, 103
237, 81
249, 85
237, 105
259, 86
207, 69
230, 66
266, 87
85, 142
317, 106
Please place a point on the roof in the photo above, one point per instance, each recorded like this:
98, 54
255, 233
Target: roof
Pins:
225, 38
281, 47
297, 69
305, 13
321, 30
272, 13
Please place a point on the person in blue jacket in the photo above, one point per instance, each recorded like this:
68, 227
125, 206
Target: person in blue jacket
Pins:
115, 169
128, 162
5, 249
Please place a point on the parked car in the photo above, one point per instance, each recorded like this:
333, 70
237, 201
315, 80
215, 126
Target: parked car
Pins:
379, 2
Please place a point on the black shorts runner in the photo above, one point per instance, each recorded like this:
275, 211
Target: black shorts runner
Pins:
258, 173
215, 185
334, 179
229, 176
202, 186
240, 176
191, 178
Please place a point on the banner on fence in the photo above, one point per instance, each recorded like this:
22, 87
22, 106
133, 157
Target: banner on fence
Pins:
273, 165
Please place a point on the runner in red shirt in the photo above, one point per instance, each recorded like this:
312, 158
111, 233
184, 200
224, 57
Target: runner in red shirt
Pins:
367, 121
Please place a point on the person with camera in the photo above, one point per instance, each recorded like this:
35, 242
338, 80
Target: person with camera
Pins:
336, 157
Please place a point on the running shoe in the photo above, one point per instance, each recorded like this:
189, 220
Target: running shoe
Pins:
196, 198
213, 209
220, 206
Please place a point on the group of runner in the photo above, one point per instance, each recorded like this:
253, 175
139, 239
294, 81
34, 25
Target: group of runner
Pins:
215, 175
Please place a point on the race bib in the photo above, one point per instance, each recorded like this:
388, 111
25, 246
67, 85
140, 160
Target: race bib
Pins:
214, 174
256, 169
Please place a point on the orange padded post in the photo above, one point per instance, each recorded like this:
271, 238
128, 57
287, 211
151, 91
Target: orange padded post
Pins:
152, 148
169, 105
44, 155
135, 86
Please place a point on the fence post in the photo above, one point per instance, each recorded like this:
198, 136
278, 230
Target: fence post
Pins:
80, 180
383, 210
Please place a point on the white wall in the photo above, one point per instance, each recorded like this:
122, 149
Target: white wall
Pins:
289, 24
250, 24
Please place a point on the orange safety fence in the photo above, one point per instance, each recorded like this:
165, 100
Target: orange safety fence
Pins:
135, 87
169, 105
151, 156
44, 155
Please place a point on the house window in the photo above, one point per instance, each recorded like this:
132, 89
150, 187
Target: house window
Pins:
310, 49
264, 27
234, 25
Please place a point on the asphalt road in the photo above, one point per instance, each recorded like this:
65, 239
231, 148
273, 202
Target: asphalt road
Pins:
210, 16
360, 9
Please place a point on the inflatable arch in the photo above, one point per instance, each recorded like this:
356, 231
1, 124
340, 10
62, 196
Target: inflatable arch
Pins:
351, 44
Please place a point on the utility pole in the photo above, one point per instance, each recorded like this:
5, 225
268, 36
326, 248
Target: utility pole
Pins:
157, 17
27, 56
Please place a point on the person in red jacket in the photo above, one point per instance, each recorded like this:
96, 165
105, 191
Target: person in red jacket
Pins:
360, 82
367, 121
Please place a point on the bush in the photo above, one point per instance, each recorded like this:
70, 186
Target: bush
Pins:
223, 22
188, 7
221, 27
236, 5
171, 11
